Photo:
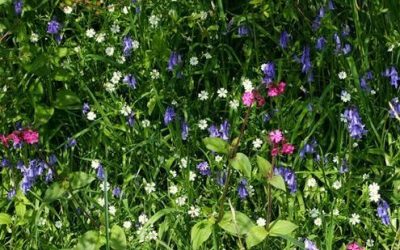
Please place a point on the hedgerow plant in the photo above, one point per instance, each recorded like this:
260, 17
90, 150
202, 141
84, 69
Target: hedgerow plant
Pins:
162, 124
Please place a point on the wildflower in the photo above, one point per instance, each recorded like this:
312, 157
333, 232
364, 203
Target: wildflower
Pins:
257, 143
11, 194
354, 123
192, 176
174, 60
369, 243
143, 219
242, 191
34, 37
53, 27
30, 137
173, 189
203, 124
287, 148
305, 60
342, 75
330, 5
269, 72
259, 99
261, 222
337, 185
203, 95
345, 96
247, 84
393, 75
243, 31
354, 246
394, 108
180, 201
154, 20
320, 43
67, 10
275, 136
318, 222
194, 61
355, 219
383, 212
18, 5
58, 224
289, 177
127, 224
311, 183
276, 90
154, 74
71, 142
110, 51
130, 80
100, 37
309, 148
346, 49
52, 160
373, 190
194, 211
234, 104
116, 192
90, 33
150, 187
222, 93
127, 44
337, 41
100, 173
248, 98
213, 130
284, 40
91, 116
169, 115
204, 168
309, 245
115, 28
184, 131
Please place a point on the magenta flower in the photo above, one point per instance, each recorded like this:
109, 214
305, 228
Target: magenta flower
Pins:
354, 246
287, 148
248, 98
276, 136
30, 137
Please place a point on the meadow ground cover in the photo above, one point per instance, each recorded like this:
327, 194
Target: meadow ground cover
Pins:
162, 124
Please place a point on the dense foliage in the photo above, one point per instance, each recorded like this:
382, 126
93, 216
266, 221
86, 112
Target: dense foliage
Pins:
162, 124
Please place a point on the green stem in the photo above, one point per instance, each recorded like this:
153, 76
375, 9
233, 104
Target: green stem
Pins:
269, 193
222, 12
106, 210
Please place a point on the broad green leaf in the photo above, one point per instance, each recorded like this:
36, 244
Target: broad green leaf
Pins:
54, 192
200, 232
118, 238
242, 163
80, 179
151, 104
255, 236
91, 240
62, 75
264, 166
278, 182
5, 219
216, 144
282, 227
67, 99
43, 114
240, 226
20, 209
62, 52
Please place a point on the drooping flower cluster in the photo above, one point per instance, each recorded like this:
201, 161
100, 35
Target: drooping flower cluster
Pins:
169, 115
393, 75
175, 60
18, 137
35, 169
308, 149
222, 132
289, 176
279, 144
354, 123
269, 72
394, 105
383, 212
242, 191
310, 245
204, 168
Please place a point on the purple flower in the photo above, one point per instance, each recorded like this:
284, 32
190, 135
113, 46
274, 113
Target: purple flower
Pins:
11, 194
309, 245
127, 43
284, 40
242, 191
221, 178
269, 72
169, 115
330, 5
346, 49
392, 74
71, 142
394, 108
53, 27
383, 212
130, 80
85, 108
184, 131
18, 5
289, 176
344, 168
243, 31
174, 60
213, 130
130, 119
346, 30
204, 168
320, 44
4, 162
52, 160
49, 175
305, 60
116, 192
354, 123
224, 130
308, 149
337, 41
100, 173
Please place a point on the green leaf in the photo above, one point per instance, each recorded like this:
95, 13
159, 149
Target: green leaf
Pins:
282, 227
151, 104
80, 179
91, 240
238, 226
67, 99
200, 232
278, 182
117, 239
255, 236
54, 192
216, 144
43, 114
5, 219
264, 166
20, 209
242, 163
62, 52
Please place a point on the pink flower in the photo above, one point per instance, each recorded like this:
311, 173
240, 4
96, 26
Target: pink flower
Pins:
14, 136
276, 136
4, 140
275, 151
248, 98
354, 246
273, 91
287, 148
260, 100
281, 87
30, 137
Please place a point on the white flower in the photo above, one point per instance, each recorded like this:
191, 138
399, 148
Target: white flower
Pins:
150, 187
100, 37
112, 210
311, 183
355, 144
337, 185
194, 212
222, 93
34, 37
143, 219
373, 92
257, 143
91, 115
152, 235
370, 243
180, 201
203, 15
126, 110
110, 87
127, 224
194, 61
203, 124
318, 222
203, 95
335, 212
154, 74
121, 59
342, 75
247, 84
145, 123
105, 187
67, 10
90, 33
234, 104
154, 20
77, 49
374, 197
101, 202
218, 158
373, 188
111, 8
390, 48
115, 28
251, 190
173, 189
192, 176
95, 164
207, 55
110, 51
365, 176
116, 77
261, 222
183, 163
58, 224
173, 173
335, 159
314, 213
355, 219
125, 10
345, 96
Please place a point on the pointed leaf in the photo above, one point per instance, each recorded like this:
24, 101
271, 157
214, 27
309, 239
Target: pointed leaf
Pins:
67, 99
5, 219
240, 226
264, 166
282, 227
200, 232
216, 144
118, 238
278, 182
242, 163
80, 179
255, 236
54, 192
